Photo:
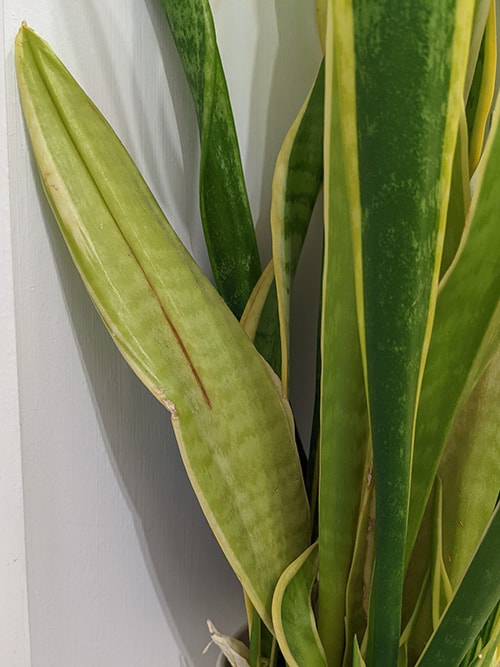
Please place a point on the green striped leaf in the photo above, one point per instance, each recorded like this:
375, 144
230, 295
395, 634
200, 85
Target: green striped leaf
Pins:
232, 423
400, 101
225, 211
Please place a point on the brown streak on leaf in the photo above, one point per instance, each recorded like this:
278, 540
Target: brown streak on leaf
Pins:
168, 320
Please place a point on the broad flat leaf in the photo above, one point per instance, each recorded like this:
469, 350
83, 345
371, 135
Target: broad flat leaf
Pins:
293, 616
473, 602
231, 421
401, 77
225, 211
343, 418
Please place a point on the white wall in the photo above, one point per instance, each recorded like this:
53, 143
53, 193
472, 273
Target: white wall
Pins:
120, 566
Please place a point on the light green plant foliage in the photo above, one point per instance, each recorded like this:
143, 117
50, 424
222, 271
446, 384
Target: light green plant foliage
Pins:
232, 423
293, 616
357, 660
409, 340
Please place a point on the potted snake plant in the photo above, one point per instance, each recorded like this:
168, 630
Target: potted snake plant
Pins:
374, 540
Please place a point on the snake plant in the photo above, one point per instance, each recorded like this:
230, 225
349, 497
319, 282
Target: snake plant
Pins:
380, 547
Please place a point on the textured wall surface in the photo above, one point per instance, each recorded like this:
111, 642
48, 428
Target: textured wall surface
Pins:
114, 564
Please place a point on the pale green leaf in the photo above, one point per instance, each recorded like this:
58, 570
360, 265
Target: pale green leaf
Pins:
232, 423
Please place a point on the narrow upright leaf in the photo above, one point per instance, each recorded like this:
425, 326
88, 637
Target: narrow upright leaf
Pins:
225, 211
344, 424
400, 104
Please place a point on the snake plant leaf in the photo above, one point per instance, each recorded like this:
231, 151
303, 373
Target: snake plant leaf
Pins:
359, 580
441, 592
344, 425
357, 660
297, 179
470, 472
225, 210
482, 10
489, 653
460, 197
472, 604
468, 303
231, 421
482, 90
321, 11
293, 616
234, 650
255, 305
400, 103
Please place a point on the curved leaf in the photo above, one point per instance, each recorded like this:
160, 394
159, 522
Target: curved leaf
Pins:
297, 179
293, 616
232, 423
